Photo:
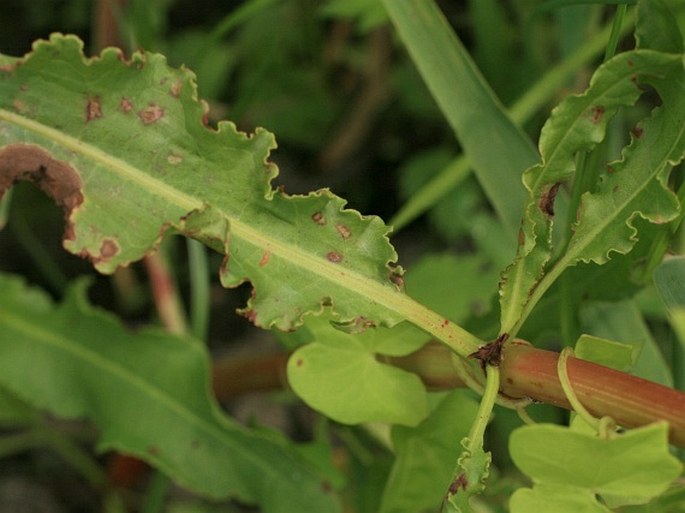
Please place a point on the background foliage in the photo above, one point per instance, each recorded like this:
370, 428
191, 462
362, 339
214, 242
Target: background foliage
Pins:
350, 112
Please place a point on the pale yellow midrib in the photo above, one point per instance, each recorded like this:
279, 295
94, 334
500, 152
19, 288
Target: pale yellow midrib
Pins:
332, 272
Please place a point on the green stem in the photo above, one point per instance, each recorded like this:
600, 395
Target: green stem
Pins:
562, 372
72, 454
487, 403
156, 493
16, 443
199, 289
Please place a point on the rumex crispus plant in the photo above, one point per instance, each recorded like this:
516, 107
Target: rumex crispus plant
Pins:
125, 147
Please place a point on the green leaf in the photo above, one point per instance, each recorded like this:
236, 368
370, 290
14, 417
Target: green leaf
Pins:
577, 125
629, 469
606, 352
427, 451
669, 278
123, 147
556, 498
148, 394
454, 286
340, 375
475, 469
661, 25
495, 146
622, 320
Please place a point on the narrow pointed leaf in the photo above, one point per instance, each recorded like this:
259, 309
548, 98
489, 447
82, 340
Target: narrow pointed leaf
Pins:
148, 393
498, 150
576, 125
123, 147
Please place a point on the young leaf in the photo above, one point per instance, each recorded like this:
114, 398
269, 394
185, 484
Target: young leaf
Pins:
122, 145
340, 376
426, 451
629, 469
577, 124
148, 395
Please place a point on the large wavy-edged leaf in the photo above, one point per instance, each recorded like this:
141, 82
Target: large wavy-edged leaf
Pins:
576, 125
148, 393
637, 185
123, 147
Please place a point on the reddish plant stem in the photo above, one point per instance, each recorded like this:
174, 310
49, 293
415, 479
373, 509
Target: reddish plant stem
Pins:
525, 372
629, 400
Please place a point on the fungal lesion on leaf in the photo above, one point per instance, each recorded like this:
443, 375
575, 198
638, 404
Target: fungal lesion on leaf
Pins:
547, 198
27, 162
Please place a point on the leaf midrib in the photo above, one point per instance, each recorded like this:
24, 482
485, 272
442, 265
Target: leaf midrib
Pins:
343, 276
155, 394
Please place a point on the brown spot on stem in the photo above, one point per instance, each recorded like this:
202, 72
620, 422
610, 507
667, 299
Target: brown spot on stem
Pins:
265, 258
343, 230
126, 105
597, 114
151, 114
319, 218
546, 203
334, 256
93, 108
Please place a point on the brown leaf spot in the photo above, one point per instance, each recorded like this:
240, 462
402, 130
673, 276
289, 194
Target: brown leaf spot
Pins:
522, 238
610, 169
597, 114
151, 114
319, 218
153, 450
265, 258
174, 159
546, 203
326, 486
334, 256
299, 362
343, 230
33, 164
93, 108
637, 132
126, 105
176, 87
19, 106
195, 444
250, 315
460, 482
108, 249
397, 278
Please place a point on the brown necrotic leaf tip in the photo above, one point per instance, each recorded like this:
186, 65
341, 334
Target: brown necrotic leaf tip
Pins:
26, 162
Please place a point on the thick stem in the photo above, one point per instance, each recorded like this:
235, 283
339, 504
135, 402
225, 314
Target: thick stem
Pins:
524, 372
631, 401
